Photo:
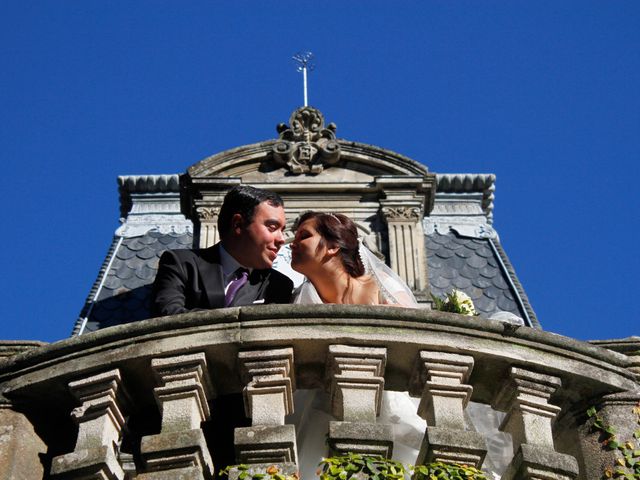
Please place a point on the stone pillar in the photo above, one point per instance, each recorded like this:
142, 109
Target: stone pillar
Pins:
406, 243
180, 449
617, 410
268, 398
20, 447
355, 376
441, 379
100, 421
529, 416
208, 226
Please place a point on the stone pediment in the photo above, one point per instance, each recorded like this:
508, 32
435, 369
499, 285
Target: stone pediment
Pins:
306, 149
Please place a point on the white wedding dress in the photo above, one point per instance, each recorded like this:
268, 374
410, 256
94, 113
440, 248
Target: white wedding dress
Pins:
312, 408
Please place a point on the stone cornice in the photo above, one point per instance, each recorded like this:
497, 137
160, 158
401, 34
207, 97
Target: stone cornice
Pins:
585, 369
465, 183
144, 184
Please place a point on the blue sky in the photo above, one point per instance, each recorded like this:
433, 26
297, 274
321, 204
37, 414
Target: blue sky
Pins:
544, 94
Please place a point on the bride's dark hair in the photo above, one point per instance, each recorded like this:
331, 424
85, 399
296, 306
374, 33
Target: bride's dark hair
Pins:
340, 230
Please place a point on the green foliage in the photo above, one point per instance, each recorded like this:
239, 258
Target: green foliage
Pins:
439, 470
376, 467
247, 473
373, 467
627, 463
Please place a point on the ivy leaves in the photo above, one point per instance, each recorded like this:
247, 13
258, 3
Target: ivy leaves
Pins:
375, 467
627, 465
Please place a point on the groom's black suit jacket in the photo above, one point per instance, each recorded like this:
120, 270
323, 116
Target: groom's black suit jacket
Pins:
193, 280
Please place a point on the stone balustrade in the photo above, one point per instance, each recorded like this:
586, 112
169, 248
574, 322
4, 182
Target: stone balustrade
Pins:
137, 401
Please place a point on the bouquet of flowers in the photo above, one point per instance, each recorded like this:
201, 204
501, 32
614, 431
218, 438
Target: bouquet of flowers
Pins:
455, 302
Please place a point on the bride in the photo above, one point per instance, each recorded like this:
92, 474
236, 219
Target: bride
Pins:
339, 268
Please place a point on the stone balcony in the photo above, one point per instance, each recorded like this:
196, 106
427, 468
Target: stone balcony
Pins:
173, 397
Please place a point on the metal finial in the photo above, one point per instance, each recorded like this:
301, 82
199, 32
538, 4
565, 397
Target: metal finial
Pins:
304, 63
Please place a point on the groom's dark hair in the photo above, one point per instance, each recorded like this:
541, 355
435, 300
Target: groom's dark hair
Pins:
340, 230
244, 199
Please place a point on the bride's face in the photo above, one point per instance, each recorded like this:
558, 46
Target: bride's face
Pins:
307, 248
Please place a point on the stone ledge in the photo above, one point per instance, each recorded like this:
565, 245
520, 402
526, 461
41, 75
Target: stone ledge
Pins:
586, 370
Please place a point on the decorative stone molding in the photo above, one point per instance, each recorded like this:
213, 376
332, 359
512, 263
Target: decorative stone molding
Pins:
458, 183
525, 399
461, 211
306, 146
100, 421
441, 380
151, 203
182, 397
207, 214
402, 214
355, 377
268, 397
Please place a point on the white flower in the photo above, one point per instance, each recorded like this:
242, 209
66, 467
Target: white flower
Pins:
463, 302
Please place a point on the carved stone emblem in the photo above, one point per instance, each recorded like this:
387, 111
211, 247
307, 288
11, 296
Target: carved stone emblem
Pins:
306, 146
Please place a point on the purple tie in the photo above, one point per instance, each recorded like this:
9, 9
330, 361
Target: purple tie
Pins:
242, 275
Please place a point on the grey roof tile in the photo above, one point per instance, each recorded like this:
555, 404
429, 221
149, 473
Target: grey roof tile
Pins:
461, 283
476, 261
485, 304
147, 253
484, 252
125, 253
442, 253
123, 292
474, 265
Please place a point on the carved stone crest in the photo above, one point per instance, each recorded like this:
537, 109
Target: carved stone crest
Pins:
306, 146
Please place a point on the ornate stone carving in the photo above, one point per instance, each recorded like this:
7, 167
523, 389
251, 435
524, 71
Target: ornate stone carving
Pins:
306, 146
413, 214
207, 214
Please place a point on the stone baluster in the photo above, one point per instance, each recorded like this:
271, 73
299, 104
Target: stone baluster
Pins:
179, 450
441, 379
529, 416
355, 376
100, 421
268, 398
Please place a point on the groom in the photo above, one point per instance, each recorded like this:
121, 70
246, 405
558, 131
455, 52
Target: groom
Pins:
237, 270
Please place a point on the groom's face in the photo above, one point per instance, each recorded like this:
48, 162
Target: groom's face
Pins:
259, 241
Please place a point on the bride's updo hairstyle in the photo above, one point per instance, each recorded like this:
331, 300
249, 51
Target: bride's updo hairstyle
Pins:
340, 230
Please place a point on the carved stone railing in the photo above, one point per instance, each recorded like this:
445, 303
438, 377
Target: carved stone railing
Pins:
141, 400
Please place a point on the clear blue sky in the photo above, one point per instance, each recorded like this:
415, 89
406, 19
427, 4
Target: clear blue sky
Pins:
545, 94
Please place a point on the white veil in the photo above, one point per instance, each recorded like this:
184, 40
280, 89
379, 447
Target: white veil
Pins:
393, 290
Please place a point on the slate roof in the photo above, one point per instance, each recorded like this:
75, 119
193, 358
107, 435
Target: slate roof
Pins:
480, 268
122, 290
